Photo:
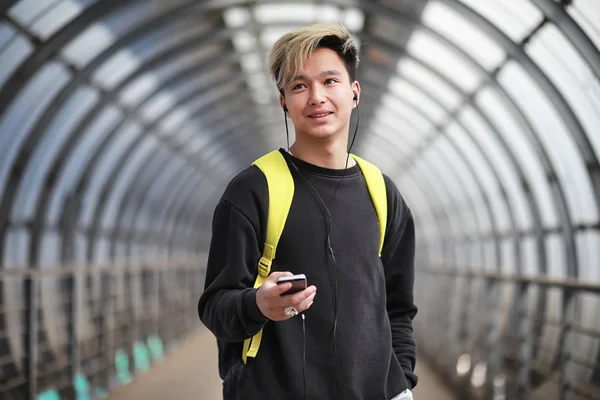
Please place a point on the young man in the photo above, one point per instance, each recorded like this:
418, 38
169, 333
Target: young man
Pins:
356, 341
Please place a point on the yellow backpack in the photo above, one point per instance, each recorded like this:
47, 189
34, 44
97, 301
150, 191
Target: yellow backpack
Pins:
281, 191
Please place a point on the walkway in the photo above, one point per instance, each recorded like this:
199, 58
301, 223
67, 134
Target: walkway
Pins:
190, 373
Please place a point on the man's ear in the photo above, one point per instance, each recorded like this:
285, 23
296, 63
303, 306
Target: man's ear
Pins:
282, 103
356, 90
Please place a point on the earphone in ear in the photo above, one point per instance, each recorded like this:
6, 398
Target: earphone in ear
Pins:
355, 98
285, 108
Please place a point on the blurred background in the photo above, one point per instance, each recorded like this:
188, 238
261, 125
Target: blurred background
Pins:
121, 122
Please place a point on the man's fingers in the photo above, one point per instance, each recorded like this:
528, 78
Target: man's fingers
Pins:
306, 303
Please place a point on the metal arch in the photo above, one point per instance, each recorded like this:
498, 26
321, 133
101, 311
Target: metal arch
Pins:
513, 109
558, 193
148, 172
106, 189
31, 141
439, 132
51, 46
137, 236
84, 177
563, 108
586, 48
133, 219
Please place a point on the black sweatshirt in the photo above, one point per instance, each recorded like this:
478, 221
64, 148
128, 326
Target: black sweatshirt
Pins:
374, 352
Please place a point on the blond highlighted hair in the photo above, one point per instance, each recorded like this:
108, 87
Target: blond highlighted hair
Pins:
291, 51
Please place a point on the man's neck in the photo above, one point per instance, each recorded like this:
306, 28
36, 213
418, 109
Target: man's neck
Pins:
331, 155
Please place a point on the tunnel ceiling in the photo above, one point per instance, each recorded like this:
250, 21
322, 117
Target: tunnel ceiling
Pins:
124, 120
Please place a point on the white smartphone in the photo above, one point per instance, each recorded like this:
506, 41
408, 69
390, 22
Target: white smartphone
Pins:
298, 283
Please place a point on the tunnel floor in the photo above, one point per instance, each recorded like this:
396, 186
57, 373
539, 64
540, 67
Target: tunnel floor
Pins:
190, 372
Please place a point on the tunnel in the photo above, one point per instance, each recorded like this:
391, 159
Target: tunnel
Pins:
122, 122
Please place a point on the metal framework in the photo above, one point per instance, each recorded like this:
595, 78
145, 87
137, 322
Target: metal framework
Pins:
117, 139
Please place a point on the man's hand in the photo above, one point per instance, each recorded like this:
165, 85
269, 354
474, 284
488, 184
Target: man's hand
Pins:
272, 305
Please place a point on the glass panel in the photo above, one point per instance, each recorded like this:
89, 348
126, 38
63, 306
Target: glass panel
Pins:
425, 47
508, 256
7, 33
16, 248
585, 12
467, 190
465, 34
116, 68
521, 148
510, 181
13, 55
565, 156
529, 256
139, 89
37, 168
27, 11
549, 48
90, 43
90, 139
423, 127
516, 22
124, 180
119, 143
444, 93
486, 179
411, 95
50, 248
25, 110
58, 17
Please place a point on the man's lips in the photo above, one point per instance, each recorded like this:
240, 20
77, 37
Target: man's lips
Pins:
320, 115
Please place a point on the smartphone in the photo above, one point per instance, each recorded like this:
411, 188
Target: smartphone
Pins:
298, 283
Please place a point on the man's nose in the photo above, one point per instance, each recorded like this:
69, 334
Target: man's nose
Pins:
317, 95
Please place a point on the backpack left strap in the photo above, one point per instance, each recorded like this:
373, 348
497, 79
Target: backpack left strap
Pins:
281, 191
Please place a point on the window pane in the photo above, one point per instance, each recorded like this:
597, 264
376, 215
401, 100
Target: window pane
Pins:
16, 248
585, 12
116, 68
90, 43
465, 34
563, 153
79, 157
17, 50
422, 126
516, 22
37, 168
486, 178
530, 260
444, 93
26, 109
425, 47
520, 146
119, 143
549, 48
27, 11
58, 17
124, 181
468, 192
411, 95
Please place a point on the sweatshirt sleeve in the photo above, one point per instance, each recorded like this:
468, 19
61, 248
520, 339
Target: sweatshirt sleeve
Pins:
398, 260
227, 307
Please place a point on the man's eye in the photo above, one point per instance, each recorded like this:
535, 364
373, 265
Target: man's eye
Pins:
330, 80
298, 86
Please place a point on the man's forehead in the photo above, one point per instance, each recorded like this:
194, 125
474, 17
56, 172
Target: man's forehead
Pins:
328, 72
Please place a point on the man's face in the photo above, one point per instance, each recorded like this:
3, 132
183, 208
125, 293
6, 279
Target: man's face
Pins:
319, 100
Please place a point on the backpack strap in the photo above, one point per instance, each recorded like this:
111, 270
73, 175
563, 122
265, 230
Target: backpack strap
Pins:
281, 191
376, 185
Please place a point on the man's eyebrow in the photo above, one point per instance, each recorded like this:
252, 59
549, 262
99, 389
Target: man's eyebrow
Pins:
323, 73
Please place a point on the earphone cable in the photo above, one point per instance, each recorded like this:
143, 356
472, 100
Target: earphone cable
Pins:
330, 248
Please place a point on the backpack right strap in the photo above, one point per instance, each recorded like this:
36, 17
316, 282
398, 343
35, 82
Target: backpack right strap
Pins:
281, 191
